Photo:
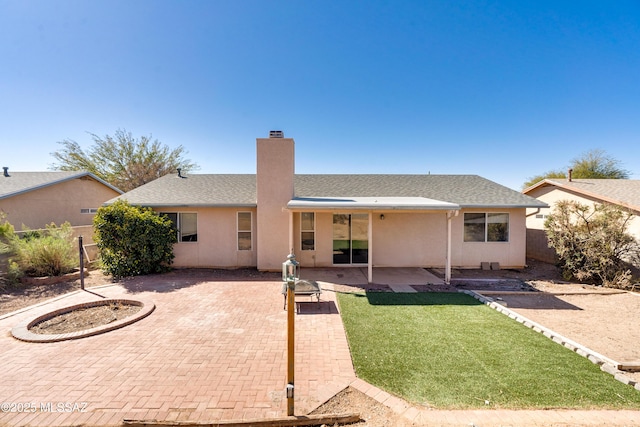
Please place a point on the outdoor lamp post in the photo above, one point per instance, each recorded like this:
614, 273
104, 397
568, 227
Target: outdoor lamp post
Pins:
290, 273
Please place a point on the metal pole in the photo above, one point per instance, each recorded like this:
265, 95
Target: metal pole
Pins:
81, 250
291, 301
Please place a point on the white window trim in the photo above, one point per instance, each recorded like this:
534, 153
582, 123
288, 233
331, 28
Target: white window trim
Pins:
308, 231
238, 231
486, 227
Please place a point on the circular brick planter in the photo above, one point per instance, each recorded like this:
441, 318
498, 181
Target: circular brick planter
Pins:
22, 332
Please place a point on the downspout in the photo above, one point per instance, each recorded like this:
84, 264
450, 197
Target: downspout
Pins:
536, 212
370, 257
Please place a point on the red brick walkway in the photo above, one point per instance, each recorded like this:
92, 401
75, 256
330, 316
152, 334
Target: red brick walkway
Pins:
210, 351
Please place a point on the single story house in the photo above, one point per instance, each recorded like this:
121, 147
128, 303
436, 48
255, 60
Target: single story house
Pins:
624, 193
36, 199
256, 220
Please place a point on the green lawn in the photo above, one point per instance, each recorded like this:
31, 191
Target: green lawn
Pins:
448, 350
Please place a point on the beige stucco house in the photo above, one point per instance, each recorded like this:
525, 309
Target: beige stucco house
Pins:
621, 192
35, 199
255, 220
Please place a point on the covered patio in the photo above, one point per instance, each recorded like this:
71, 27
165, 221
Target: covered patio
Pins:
378, 207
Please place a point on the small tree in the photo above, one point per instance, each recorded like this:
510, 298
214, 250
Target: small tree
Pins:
133, 240
594, 164
592, 243
123, 160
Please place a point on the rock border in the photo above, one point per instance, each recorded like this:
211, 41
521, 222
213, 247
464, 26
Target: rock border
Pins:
22, 332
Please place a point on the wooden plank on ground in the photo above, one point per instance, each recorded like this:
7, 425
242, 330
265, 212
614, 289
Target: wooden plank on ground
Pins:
303, 420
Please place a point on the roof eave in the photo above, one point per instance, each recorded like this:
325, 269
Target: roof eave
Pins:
59, 181
372, 207
370, 203
505, 206
186, 205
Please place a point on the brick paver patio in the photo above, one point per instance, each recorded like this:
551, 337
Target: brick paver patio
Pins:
210, 351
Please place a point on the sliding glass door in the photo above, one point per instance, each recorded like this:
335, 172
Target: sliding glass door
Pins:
350, 238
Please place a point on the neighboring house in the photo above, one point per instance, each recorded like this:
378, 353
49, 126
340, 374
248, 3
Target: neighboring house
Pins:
624, 193
256, 220
35, 199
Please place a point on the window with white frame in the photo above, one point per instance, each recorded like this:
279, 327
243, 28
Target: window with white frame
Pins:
486, 227
244, 231
88, 210
308, 231
185, 224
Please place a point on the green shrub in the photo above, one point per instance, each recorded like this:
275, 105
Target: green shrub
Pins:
14, 272
133, 240
46, 254
7, 234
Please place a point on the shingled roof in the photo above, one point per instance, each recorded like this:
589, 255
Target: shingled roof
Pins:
23, 182
240, 190
463, 190
195, 190
623, 192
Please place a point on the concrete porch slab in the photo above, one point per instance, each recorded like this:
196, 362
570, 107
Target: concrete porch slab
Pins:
405, 276
381, 275
337, 275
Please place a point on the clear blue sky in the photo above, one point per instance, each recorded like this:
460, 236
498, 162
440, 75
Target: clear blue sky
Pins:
503, 89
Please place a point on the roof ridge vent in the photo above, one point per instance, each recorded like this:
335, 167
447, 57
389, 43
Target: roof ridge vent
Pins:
6, 171
276, 134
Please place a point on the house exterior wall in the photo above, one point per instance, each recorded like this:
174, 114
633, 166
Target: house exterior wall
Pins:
418, 239
57, 203
409, 239
322, 256
511, 254
551, 195
217, 245
400, 240
274, 189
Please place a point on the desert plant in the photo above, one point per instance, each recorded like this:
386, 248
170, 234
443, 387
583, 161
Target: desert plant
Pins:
45, 254
133, 240
592, 243
7, 234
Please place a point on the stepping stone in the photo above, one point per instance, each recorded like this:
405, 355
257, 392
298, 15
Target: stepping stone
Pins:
402, 289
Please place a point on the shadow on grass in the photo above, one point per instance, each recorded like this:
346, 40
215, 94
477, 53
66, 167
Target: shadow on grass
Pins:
539, 301
421, 298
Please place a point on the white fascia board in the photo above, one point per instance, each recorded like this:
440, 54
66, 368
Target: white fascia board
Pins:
370, 203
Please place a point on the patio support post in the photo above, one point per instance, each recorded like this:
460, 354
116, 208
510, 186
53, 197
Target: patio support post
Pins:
291, 231
370, 249
447, 269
